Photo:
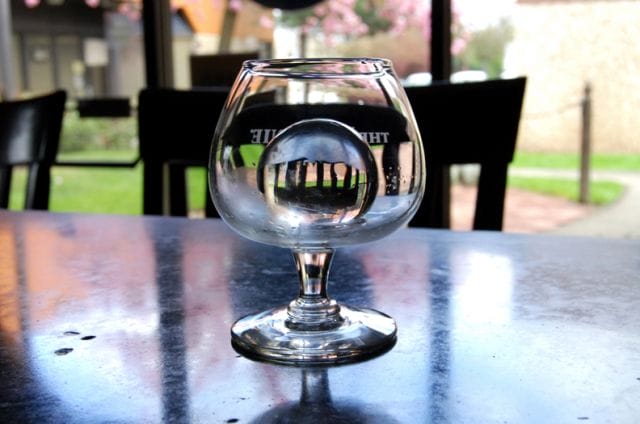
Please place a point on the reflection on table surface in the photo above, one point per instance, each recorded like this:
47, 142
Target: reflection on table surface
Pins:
126, 319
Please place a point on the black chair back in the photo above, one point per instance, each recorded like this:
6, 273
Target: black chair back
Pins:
475, 122
104, 107
30, 135
175, 129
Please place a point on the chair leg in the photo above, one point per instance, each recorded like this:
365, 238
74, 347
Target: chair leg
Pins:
434, 211
210, 210
152, 188
445, 199
492, 188
177, 190
5, 186
38, 187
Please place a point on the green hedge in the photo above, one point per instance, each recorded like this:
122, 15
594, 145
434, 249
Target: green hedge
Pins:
80, 134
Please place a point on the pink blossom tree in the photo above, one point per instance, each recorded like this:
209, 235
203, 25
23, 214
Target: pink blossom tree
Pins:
377, 28
367, 17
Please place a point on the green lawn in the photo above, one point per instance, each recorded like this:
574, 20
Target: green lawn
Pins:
610, 162
99, 155
601, 192
119, 190
101, 190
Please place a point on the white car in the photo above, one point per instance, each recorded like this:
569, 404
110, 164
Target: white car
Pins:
468, 76
425, 78
417, 79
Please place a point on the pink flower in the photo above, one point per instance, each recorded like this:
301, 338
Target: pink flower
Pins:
457, 46
335, 17
31, 3
235, 5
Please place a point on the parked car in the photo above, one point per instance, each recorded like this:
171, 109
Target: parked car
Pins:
425, 78
417, 79
468, 76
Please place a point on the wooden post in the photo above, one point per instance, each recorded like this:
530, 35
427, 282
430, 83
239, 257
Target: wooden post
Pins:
585, 145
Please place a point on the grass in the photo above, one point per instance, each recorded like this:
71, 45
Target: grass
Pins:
119, 190
93, 190
601, 192
101, 190
608, 162
99, 155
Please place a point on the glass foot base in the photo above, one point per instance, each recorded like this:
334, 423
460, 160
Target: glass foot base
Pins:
363, 333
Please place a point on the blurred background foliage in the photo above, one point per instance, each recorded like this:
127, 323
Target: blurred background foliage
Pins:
485, 49
398, 30
91, 134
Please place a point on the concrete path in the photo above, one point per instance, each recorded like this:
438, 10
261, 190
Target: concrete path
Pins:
618, 220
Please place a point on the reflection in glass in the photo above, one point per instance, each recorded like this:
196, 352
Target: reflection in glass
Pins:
316, 172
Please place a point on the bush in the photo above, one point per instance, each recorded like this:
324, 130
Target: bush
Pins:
97, 133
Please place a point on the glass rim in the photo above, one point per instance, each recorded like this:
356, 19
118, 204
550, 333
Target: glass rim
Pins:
295, 67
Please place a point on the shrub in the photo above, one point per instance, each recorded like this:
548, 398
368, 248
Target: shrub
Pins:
97, 133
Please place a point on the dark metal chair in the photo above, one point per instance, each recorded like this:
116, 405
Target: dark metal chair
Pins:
105, 107
175, 129
474, 122
29, 136
217, 70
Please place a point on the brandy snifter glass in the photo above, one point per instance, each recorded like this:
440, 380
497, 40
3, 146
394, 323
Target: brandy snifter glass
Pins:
311, 155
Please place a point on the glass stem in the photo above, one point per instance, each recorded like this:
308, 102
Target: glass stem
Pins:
313, 310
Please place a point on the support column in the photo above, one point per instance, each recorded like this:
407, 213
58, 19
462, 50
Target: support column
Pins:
158, 43
441, 71
8, 89
440, 40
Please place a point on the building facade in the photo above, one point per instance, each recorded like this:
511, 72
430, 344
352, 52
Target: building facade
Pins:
98, 51
563, 45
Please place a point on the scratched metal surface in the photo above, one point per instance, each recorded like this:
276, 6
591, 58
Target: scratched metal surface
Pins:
126, 319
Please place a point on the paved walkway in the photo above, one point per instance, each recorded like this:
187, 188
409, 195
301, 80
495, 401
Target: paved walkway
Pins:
527, 212
620, 219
